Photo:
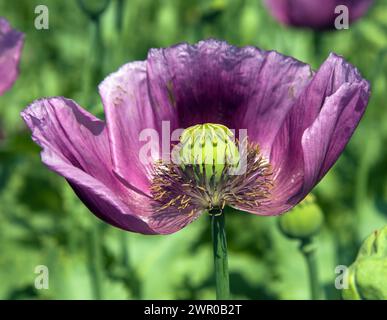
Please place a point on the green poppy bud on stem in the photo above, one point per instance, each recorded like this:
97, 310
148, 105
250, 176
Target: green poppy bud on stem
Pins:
304, 221
367, 276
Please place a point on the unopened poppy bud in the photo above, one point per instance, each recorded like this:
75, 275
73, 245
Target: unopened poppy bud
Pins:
211, 146
367, 276
303, 221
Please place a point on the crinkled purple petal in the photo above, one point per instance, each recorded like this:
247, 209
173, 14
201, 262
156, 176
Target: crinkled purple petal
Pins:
11, 44
128, 112
75, 145
325, 140
216, 82
315, 14
333, 103
276, 86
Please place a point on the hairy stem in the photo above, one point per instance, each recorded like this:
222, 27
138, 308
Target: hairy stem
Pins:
95, 60
309, 251
119, 14
317, 45
96, 266
220, 256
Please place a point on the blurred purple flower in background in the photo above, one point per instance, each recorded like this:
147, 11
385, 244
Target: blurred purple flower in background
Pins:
315, 14
11, 44
301, 120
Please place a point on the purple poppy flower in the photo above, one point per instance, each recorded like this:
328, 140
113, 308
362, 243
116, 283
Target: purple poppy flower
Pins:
315, 14
11, 44
300, 119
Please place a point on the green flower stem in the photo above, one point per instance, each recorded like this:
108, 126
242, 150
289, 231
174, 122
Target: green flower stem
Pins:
220, 256
119, 14
131, 276
309, 251
96, 265
93, 73
317, 45
95, 61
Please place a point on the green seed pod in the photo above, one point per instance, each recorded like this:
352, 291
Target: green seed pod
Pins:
304, 221
367, 276
211, 146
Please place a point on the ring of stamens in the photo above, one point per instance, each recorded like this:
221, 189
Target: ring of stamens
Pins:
189, 189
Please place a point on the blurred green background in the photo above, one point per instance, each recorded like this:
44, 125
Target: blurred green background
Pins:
43, 223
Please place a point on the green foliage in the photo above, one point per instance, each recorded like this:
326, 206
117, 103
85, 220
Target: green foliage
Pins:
367, 276
43, 223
